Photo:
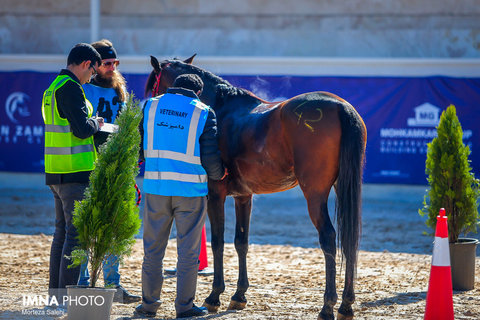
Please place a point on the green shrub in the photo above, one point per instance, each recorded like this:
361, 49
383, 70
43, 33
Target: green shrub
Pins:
107, 218
452, 184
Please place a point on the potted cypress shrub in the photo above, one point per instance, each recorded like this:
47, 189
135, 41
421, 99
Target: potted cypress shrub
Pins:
454, 187
107, 218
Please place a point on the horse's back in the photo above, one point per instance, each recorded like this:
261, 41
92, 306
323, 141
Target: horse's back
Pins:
312, 126
317, 114
277, 143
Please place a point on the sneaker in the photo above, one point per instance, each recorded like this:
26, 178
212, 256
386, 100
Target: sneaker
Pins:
194, 312
140, 311
125, 297
206, 272
170, 272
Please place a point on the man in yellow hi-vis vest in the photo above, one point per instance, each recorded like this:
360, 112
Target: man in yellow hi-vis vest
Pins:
69, 155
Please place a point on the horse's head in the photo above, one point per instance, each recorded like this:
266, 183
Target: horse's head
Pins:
164, 74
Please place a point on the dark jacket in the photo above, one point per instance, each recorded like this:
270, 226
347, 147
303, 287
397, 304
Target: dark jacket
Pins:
72, 106
209, 152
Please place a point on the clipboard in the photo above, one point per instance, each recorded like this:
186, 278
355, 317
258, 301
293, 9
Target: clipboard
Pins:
109, 127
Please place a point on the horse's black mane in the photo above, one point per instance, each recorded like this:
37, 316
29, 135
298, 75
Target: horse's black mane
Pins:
223, 89
227, 92
207, 76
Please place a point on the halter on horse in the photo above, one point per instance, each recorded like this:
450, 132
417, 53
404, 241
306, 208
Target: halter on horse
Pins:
316, 140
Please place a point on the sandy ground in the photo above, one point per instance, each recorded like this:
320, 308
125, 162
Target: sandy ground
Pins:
286, 267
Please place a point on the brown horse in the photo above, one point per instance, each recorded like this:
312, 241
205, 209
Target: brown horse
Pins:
316, 140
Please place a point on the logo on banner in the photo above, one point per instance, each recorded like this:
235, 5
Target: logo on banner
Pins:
426, 115
16, 105
20, 130
412, 138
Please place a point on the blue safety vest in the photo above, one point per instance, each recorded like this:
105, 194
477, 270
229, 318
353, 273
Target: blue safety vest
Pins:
104, 101
172, 127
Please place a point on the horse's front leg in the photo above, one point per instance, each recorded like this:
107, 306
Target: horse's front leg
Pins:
243, 209
216, 215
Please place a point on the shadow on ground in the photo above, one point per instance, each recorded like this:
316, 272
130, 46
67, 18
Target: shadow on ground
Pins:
390, 215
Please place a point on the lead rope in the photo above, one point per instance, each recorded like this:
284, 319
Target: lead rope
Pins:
156, 86
139, 193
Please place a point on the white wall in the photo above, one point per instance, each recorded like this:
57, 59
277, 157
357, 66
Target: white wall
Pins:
300, 28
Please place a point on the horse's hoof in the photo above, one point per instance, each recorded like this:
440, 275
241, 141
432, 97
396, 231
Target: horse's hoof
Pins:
345, 312
325, 317
326, 313
210, 308
344, 317
235, 305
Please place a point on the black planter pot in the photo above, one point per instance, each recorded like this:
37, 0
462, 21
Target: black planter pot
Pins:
89, 303
462, 262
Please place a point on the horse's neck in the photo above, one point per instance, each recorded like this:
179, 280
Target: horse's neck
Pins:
209, 94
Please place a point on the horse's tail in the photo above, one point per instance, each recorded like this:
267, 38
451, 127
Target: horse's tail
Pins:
349, 181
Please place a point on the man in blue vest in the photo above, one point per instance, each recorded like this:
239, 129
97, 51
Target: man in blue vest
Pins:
107, 91
108, 94
69, 156
180, 148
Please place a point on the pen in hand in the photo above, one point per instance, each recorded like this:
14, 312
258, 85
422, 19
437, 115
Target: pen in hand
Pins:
99, 120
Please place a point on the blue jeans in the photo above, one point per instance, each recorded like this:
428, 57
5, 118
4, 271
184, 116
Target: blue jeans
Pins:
110, 272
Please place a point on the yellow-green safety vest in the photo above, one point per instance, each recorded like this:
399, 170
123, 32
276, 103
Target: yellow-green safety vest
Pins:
64, 152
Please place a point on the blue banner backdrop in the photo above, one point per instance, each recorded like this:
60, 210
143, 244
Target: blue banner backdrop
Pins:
401, 114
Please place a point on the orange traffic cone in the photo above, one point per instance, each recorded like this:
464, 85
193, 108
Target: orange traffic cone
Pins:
440, 293
203, 251
202, 258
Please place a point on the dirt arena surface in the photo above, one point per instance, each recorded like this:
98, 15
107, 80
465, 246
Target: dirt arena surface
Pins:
286, 266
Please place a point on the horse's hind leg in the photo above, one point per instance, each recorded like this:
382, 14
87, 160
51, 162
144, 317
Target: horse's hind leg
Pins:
216, 215
318, 211
243, 208
345, 311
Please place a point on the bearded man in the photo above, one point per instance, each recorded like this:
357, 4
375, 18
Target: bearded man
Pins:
107, 93
107, 90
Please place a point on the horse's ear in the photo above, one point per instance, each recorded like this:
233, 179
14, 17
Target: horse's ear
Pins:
190, 60
155, 64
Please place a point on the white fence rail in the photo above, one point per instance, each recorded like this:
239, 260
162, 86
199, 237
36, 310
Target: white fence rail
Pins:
300, 66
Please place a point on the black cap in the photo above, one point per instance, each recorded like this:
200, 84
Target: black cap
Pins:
83, 52
107, 52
